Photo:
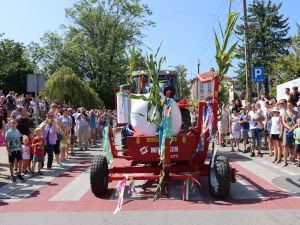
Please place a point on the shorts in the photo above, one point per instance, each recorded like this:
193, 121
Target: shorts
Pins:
297, 148
25, 156
38, 158
275, 137
15, 155
76, 130
63, 145
244, 133
56, 148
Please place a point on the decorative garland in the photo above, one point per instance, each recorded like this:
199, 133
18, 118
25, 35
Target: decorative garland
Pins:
185, 187
121, 189
207, 126
165, 132
105, 143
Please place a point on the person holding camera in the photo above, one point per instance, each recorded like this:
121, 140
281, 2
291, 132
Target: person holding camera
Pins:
83, 121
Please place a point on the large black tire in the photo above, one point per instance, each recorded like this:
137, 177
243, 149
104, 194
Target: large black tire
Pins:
219, 178
99, 175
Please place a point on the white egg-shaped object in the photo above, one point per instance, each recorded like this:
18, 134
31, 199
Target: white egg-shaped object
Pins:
138, 118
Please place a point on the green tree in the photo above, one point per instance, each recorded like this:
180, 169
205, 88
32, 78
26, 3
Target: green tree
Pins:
268, 40
14, 66
95, 42
184, 90
64, 86
287, 68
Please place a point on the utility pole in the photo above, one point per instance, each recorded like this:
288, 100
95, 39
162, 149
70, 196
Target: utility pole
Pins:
247, 53
198, 65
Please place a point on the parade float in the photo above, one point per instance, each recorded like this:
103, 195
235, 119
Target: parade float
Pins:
157, 148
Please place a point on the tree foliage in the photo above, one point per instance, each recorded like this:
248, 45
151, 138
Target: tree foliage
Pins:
14, 66
184, 90
65, 87
287, 68
268, 40
93, 44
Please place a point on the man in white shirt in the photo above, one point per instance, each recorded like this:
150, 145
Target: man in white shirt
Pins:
256, 117
83, 122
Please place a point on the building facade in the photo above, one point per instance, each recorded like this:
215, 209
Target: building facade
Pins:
202, 85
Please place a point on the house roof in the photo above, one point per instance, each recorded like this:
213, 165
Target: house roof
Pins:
209, 74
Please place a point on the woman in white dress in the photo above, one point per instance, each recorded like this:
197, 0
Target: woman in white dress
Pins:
223, 125
235, 129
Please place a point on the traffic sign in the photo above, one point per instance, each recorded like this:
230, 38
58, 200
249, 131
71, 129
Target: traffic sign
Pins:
258, 74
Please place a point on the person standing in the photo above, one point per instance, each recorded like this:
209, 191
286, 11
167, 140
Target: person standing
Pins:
235, 129
256, 118
72, 133
223, 125
297, 141
50, 135
244, 127
92, 139
83, 130
289, 123
276, 134
13, 145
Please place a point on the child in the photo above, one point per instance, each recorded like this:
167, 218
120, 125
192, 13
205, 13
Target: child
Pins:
235, 129
64, 144
276, 134
297, 141
38, 143
13, 145
25, 154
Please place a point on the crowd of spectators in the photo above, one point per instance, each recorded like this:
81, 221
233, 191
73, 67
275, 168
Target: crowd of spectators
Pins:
58, 130
272, 123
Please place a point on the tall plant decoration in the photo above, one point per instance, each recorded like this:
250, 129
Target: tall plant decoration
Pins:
224, 53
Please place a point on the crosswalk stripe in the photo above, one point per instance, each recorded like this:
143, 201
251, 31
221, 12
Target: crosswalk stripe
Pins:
19, 190
240, 190
75, 189
279, 167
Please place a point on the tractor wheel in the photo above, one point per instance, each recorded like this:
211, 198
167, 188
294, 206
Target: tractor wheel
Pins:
219, 178
99, 175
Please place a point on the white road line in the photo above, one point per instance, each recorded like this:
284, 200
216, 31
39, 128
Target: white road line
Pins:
19, 190
75, 189
241, 190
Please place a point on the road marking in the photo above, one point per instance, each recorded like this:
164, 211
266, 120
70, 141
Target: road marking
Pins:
75, 189
19, 190
240, 190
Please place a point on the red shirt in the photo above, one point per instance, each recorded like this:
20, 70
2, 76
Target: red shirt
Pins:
39, 149
30, 145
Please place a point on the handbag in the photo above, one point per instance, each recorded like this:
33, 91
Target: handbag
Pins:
289, 134
60, 136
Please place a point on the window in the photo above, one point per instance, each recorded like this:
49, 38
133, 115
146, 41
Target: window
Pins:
209, 87
201, 87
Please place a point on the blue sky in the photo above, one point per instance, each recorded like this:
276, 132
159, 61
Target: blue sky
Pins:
184, 26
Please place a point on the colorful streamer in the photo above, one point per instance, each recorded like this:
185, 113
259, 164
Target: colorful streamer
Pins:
121, 189
105, 143
165, 130
207, 126
186, 187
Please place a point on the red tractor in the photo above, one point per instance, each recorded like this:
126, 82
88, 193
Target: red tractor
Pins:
183, 156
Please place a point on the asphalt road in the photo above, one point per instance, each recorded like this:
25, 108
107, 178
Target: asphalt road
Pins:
263, 194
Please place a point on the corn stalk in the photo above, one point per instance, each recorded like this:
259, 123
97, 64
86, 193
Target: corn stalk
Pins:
224, 56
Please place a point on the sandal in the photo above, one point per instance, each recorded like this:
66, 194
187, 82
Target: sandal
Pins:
259, 154
284, 165
252, 154
274, 160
